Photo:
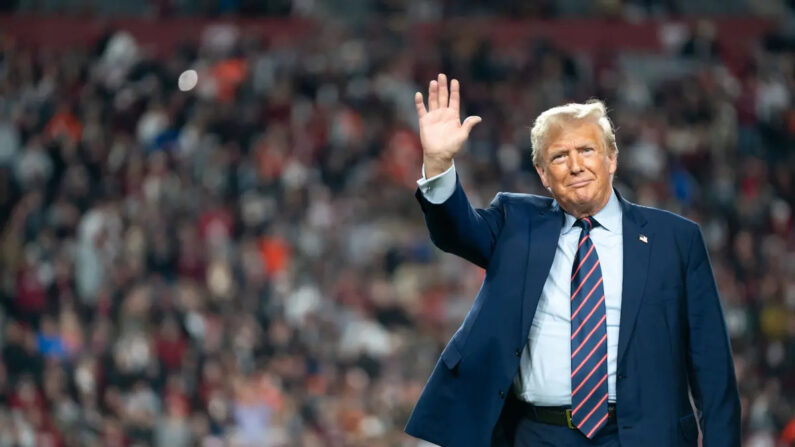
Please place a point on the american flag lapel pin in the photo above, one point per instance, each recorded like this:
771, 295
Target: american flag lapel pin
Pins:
643, 238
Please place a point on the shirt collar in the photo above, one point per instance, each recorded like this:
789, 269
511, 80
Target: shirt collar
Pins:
609, 217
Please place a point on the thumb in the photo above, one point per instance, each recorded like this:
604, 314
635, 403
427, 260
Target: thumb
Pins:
470, 122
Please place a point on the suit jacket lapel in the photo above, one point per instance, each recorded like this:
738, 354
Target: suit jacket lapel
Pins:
544, 233
637, 248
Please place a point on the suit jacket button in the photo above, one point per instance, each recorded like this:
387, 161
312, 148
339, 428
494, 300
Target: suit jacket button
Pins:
518, 353
502, 395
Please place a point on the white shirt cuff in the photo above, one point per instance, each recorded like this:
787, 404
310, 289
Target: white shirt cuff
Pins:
438, 188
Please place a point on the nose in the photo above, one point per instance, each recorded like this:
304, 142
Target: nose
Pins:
575, 165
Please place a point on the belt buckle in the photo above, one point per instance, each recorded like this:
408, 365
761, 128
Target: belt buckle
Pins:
568, 419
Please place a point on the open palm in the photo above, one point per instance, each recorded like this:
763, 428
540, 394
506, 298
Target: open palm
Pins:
441, 131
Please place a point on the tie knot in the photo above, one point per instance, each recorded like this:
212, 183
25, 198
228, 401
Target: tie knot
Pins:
587, 223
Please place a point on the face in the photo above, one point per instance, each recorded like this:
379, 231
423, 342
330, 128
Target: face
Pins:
576, 167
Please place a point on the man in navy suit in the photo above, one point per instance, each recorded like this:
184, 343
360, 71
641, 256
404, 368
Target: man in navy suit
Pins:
597, 318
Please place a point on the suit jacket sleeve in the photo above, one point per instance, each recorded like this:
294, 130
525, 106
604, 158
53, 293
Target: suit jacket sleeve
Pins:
710, 364
455, 227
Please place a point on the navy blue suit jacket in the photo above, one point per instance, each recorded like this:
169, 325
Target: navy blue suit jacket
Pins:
672, 334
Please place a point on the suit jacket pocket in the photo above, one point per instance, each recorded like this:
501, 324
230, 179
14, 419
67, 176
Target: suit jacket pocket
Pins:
451, 356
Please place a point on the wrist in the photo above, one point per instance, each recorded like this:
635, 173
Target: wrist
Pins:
434, 167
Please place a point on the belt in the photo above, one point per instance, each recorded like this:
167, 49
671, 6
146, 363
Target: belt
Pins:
558, 415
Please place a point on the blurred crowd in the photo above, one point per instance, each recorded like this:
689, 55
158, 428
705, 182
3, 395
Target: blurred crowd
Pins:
244, 263
423, 10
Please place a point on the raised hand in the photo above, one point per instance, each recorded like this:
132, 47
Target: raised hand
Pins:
441, 131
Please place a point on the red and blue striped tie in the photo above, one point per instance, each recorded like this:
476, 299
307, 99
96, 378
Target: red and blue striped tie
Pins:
588, 337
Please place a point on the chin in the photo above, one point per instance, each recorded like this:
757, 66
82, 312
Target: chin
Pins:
584, 197
582, 200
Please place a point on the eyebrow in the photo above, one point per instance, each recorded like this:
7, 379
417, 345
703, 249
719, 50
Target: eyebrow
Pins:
553, 152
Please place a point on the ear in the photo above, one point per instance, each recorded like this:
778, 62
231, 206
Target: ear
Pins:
543, 174
613, 159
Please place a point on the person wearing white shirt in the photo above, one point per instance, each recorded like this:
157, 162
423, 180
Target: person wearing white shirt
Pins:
597, 318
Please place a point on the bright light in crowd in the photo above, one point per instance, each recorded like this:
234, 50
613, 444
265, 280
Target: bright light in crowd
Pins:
187, 80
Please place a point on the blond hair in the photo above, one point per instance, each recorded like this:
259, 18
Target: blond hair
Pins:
593, 110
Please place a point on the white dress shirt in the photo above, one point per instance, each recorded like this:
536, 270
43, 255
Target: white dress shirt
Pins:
544, 376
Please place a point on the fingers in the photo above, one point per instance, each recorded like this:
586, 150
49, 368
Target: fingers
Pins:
442, 82
470, 122
433, 96
420, 105
455, 98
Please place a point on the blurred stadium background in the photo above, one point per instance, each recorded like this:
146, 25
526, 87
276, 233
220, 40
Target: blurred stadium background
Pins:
244, 263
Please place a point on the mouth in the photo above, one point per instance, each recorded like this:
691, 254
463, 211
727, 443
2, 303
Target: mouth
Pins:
579, 184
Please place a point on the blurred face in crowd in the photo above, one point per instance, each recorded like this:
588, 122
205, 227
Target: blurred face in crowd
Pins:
577, 167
